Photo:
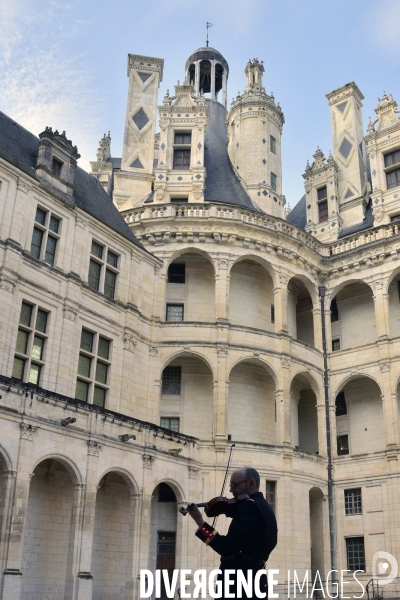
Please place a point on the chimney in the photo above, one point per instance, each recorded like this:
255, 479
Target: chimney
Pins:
57, 162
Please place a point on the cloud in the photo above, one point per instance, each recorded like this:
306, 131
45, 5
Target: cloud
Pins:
43, 81
383, 25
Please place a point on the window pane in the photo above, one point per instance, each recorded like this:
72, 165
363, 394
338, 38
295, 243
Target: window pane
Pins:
84, 365
335, 345
322, 193
109, 284
183, 138
272, 145
393, 179
355, 554
41, 321
94, 275
174, 312
22, 341
341, 406
181, 159
273, 181
18, 368
112, 259
26, 314
50, 250
176, 273
171, 380
37, 347
99, 396
36, 244
56, 167
87, 340
101, 372
34, 374
270, 494
342, 444
104, 347
170, 423
54, 224
82, 390
323, 211
40, 216
97, 250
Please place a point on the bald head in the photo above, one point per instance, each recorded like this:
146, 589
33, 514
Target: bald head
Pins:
245, 480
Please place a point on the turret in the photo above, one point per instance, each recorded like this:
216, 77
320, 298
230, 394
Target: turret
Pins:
255, 124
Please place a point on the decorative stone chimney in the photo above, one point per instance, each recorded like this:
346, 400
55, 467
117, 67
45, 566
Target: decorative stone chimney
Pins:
102, 168
57, 162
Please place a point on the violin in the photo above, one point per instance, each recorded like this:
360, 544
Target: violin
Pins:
217, 506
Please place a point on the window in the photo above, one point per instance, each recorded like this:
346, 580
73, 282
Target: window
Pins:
179, 200
342, 445
103, 270
93, 368
272, 313
171, 423
171, 381
395, 218
56, 167
335, 345
341, 406
182, 143
273, 181
392, 169
272, 144
174, 312
322, 204
270, 494
31, 341
166, 494
352, 502
176, 273
334, 311
45, 236
355, 554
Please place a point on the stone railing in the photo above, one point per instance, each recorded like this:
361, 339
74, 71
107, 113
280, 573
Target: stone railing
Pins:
207, 210
364, 237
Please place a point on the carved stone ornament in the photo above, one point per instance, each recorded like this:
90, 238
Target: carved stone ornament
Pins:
385, 367
193, 472
93, 447
148, 461
285, 361
69, 314
27, 431
129, 342
153, 351
7, 285
222, 351
223, 264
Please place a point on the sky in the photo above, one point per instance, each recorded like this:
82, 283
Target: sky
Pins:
64, 64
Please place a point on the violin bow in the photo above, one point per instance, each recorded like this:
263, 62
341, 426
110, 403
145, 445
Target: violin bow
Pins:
225, 478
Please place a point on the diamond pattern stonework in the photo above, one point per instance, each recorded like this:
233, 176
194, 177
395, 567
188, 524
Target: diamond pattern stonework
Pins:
345, 148
140, 119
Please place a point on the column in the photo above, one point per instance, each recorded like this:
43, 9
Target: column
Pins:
224, 88
282, 399
390, 410
381, 300
135, 524
197, 78
281, 309
221, 395
317, 324
222, 279
213, 80
321, 420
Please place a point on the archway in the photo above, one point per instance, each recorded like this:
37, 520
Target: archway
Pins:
251, 404
3, 491
47, 548
316, 504
163, 530
190, 291
303, 415
186, 402
394, 305
251, 296
300, 315
360, 425
352, 316
112, 539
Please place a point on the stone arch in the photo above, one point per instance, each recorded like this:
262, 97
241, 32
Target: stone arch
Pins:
362, 429
67, 462
317, 525
48, 535
187, 250
113, 536
314, 384
352, 306
263, 363
186, 394
5, 457
252, 402
304, 395
126, 476
300, 309
258, 259
331, 293
392, 289
175, 486
310, 286
190, 287
251, 293
180, 353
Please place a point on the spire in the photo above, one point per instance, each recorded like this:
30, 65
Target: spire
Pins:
208, 25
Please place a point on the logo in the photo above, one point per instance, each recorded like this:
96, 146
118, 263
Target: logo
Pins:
381, 561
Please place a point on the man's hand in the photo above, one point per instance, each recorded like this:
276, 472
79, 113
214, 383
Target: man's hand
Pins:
195, 513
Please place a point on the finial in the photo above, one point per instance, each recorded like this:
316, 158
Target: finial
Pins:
370, 127
208, 25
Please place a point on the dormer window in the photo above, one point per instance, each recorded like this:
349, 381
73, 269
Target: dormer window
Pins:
56, 167
322, 204
392, 169
182, 146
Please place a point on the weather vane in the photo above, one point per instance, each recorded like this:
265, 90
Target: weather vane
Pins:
208, 25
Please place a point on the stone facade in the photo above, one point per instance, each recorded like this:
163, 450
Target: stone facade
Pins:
223, 347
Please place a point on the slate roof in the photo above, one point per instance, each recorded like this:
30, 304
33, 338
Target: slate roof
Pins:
222, 185
20, 148
297, 215
366, 223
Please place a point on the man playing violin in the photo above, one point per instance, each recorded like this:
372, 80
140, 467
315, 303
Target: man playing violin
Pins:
252, 534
